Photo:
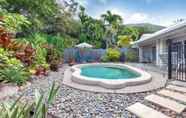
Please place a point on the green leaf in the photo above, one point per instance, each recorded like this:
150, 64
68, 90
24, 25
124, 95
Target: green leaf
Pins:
16, 102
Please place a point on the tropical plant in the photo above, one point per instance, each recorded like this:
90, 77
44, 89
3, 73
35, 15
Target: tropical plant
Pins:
38, 44
14, 22
5, 38
7, 41
53, 58
14, 75
60, 42
35, 109
129, 31
111, 19
44, 14
26, 55
7, 60
92, 30
112, 23
131, 55
112, 54
38, 13
124, 41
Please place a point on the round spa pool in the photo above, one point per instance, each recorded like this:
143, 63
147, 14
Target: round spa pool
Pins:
113, 73
109, 75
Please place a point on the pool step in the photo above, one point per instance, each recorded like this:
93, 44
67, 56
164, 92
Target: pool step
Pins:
166, 103
175, 95
178, 83
143, 111
177, 88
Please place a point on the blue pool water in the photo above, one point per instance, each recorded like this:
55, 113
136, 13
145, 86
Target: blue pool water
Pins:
101, 72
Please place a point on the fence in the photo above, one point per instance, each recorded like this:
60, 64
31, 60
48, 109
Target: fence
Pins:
85, 55
177, 60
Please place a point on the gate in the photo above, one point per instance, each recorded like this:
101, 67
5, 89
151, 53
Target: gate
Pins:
177, 60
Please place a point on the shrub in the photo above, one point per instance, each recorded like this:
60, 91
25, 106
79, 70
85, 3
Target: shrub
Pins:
15, 75
35, 109
6, 60
124, 41
131, 55
26, 55
60, 42
53, 58
15, 22
39, 43
112, 54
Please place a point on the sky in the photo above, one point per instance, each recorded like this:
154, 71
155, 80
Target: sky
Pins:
160, 12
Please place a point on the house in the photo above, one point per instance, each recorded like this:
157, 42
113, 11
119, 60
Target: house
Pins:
153, 48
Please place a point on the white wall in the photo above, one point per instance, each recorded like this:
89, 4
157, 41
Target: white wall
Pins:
161, 48
140, 54
145, 54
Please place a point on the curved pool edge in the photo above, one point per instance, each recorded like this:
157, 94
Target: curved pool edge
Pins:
109, 84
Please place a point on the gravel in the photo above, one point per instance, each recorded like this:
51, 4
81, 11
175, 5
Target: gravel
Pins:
73, 103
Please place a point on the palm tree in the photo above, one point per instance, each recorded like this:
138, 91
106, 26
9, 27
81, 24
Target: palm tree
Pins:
111, 19
112, 22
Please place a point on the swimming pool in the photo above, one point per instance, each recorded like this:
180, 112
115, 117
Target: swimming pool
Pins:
104, 72
109, 75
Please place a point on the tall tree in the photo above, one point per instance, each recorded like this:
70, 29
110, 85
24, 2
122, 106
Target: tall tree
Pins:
92, 30
112, 23
111, 19
129, 31
43, 14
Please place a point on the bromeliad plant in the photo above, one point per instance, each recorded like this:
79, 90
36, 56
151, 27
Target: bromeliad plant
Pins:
11, 69
36, 109
14, 75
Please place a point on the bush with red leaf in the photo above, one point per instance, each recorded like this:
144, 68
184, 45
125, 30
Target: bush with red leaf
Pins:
41, 71
23, 52
27, 55
5, 38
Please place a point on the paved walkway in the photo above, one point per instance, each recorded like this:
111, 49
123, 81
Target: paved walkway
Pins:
172, 98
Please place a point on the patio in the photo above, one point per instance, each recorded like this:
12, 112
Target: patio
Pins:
153, 84
77, 103
92, 59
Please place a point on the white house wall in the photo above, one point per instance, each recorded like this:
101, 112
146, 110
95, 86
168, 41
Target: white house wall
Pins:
161, 48
145, 54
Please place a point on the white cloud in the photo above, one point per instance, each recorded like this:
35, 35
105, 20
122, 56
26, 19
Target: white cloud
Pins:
127, 16
114, 11
138, 18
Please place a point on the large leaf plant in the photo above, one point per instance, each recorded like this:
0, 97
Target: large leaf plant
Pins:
36, 109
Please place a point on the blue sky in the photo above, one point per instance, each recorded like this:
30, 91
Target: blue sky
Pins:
162, 12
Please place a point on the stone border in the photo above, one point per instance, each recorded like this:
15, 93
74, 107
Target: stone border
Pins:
158, 81
110, 84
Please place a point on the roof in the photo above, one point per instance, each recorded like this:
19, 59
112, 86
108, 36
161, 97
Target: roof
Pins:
145, 36
84, 45
161, 32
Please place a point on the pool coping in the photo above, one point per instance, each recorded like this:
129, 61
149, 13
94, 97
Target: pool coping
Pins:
109, 84
158, 81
